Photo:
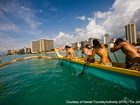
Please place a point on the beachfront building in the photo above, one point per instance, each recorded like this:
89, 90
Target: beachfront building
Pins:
106, 39
11, 52
130, 31
76, 45
90, 41
35, 46
42, 45
27, 50
84, 43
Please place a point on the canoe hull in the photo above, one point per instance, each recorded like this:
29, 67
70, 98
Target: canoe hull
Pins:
128, 81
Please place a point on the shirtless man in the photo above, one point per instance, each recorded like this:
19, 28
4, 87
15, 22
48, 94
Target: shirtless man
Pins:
70, 53
132, 55
89, 53
100, 50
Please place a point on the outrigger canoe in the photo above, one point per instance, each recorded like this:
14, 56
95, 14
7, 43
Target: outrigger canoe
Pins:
127, 78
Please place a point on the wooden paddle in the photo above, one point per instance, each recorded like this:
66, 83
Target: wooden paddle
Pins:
58, 54
83, 68
115, 57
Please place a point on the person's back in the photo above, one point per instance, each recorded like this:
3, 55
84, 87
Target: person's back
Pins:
129, 50
102, 52
132, 55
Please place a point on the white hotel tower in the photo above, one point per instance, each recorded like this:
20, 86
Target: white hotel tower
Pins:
130, 31
42, 45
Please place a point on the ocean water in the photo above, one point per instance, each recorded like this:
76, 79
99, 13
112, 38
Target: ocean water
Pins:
46, 82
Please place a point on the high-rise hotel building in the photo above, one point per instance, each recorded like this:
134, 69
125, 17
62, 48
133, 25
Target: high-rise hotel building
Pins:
130, 31
106, 39
42, 45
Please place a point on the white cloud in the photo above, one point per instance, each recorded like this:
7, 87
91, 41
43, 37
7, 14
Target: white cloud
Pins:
101, 15
7, 42
80, 34
24, 8
17, 20
122, 13
81, 17
63, 39
9, 27
111, 21
21, 13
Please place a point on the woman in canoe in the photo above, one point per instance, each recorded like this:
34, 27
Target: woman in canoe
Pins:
87, 50
101, 51
70, 52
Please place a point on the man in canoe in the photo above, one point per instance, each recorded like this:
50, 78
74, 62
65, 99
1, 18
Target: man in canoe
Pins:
132, 55
100, 50
87, 50
70, 52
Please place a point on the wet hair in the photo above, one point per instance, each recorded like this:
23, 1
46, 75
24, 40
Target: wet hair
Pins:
67, 47
119, 40
88, 46
96, 42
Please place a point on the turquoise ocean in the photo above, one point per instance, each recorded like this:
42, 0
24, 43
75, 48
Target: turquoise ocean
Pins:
46, 82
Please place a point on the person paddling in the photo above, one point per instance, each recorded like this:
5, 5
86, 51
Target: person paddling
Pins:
87, 50
100, 50
131, 53
70, 52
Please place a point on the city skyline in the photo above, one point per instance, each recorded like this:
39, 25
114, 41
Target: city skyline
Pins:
64, 21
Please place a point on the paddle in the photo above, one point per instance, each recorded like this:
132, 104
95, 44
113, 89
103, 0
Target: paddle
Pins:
83, 68
110, 46
115, 57
57, 53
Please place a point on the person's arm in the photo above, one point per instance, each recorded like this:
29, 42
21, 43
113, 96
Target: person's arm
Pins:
116, 48
138, 50
73, 54
94, 52
67, 54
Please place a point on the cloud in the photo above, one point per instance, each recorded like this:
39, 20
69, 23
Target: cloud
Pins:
121, 13
24, 8
17, 21
24, 16
91, 30
101, 15
63, 39
81, 18
111, 21
9, 27
7, 42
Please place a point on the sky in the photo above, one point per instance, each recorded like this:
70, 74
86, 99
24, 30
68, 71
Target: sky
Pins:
64, 21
